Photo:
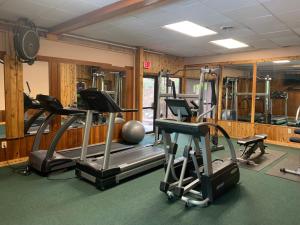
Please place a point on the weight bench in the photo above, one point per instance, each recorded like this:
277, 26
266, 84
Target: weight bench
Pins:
251, 144
295, 140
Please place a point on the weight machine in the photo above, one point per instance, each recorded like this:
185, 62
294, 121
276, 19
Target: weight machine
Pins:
205, 73
231, 92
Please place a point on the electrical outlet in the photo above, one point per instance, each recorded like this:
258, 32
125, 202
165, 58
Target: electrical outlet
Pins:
289, 131
3, 144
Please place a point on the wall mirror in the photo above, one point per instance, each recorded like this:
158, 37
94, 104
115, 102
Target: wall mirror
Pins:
75, 78
278, 92
237, 92
35, 81
101, 79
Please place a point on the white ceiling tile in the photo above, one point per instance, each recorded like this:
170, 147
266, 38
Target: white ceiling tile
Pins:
47, 13
259, 23
291, 18
250, 38
281, 33
5, 15
263, 44
26, 8
286, 40
145, 28
229, 5
297, 30
101, 3
237, 33
2, 1
79, 7
46, 3
281, 6
265, 24
59, 15
247, 13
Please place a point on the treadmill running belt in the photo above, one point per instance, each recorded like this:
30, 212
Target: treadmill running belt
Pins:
94, 150
130, 158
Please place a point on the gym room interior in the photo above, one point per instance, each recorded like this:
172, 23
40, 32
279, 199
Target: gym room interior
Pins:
155, 112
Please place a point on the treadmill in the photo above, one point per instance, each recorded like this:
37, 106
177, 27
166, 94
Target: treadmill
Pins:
45, 161
108, 170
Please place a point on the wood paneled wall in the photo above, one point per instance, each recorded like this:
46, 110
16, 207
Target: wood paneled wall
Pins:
2, 115
276, 134
21, 147
68, 74
14, 104
166, 62
237, 129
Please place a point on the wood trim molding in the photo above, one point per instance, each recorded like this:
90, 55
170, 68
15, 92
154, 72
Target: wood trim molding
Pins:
253, 97
220, 93
295, 57
13, 161
104, 66
139, 74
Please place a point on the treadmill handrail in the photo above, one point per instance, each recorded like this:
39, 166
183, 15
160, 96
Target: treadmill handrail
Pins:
42, 128
59, 134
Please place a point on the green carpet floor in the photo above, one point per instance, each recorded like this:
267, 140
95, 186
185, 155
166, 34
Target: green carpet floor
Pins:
259, 199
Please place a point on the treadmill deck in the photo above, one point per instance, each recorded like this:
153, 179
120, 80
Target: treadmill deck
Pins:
93, 150
128, 159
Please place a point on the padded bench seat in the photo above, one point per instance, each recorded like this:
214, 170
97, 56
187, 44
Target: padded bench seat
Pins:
297, 131
252, 140
295, 139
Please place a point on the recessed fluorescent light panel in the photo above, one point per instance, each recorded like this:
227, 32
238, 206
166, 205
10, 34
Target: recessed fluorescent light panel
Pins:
190, 29
230, 43
281, 61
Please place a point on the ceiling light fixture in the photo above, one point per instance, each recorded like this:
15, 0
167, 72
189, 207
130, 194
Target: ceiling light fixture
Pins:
281, 61
230, 43
190, 29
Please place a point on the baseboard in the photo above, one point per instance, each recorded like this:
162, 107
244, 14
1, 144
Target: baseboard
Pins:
13, 161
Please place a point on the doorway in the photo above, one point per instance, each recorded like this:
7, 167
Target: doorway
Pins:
149, 102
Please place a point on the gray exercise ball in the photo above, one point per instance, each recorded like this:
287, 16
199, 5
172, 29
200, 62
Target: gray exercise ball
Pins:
133, 132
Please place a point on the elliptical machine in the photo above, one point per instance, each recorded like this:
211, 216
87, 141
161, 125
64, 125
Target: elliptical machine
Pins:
199, 175
207, 182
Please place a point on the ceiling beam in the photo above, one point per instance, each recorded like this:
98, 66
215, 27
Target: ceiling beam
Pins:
107, 12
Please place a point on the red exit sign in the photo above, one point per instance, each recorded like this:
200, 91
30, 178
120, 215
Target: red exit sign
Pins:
147, 64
